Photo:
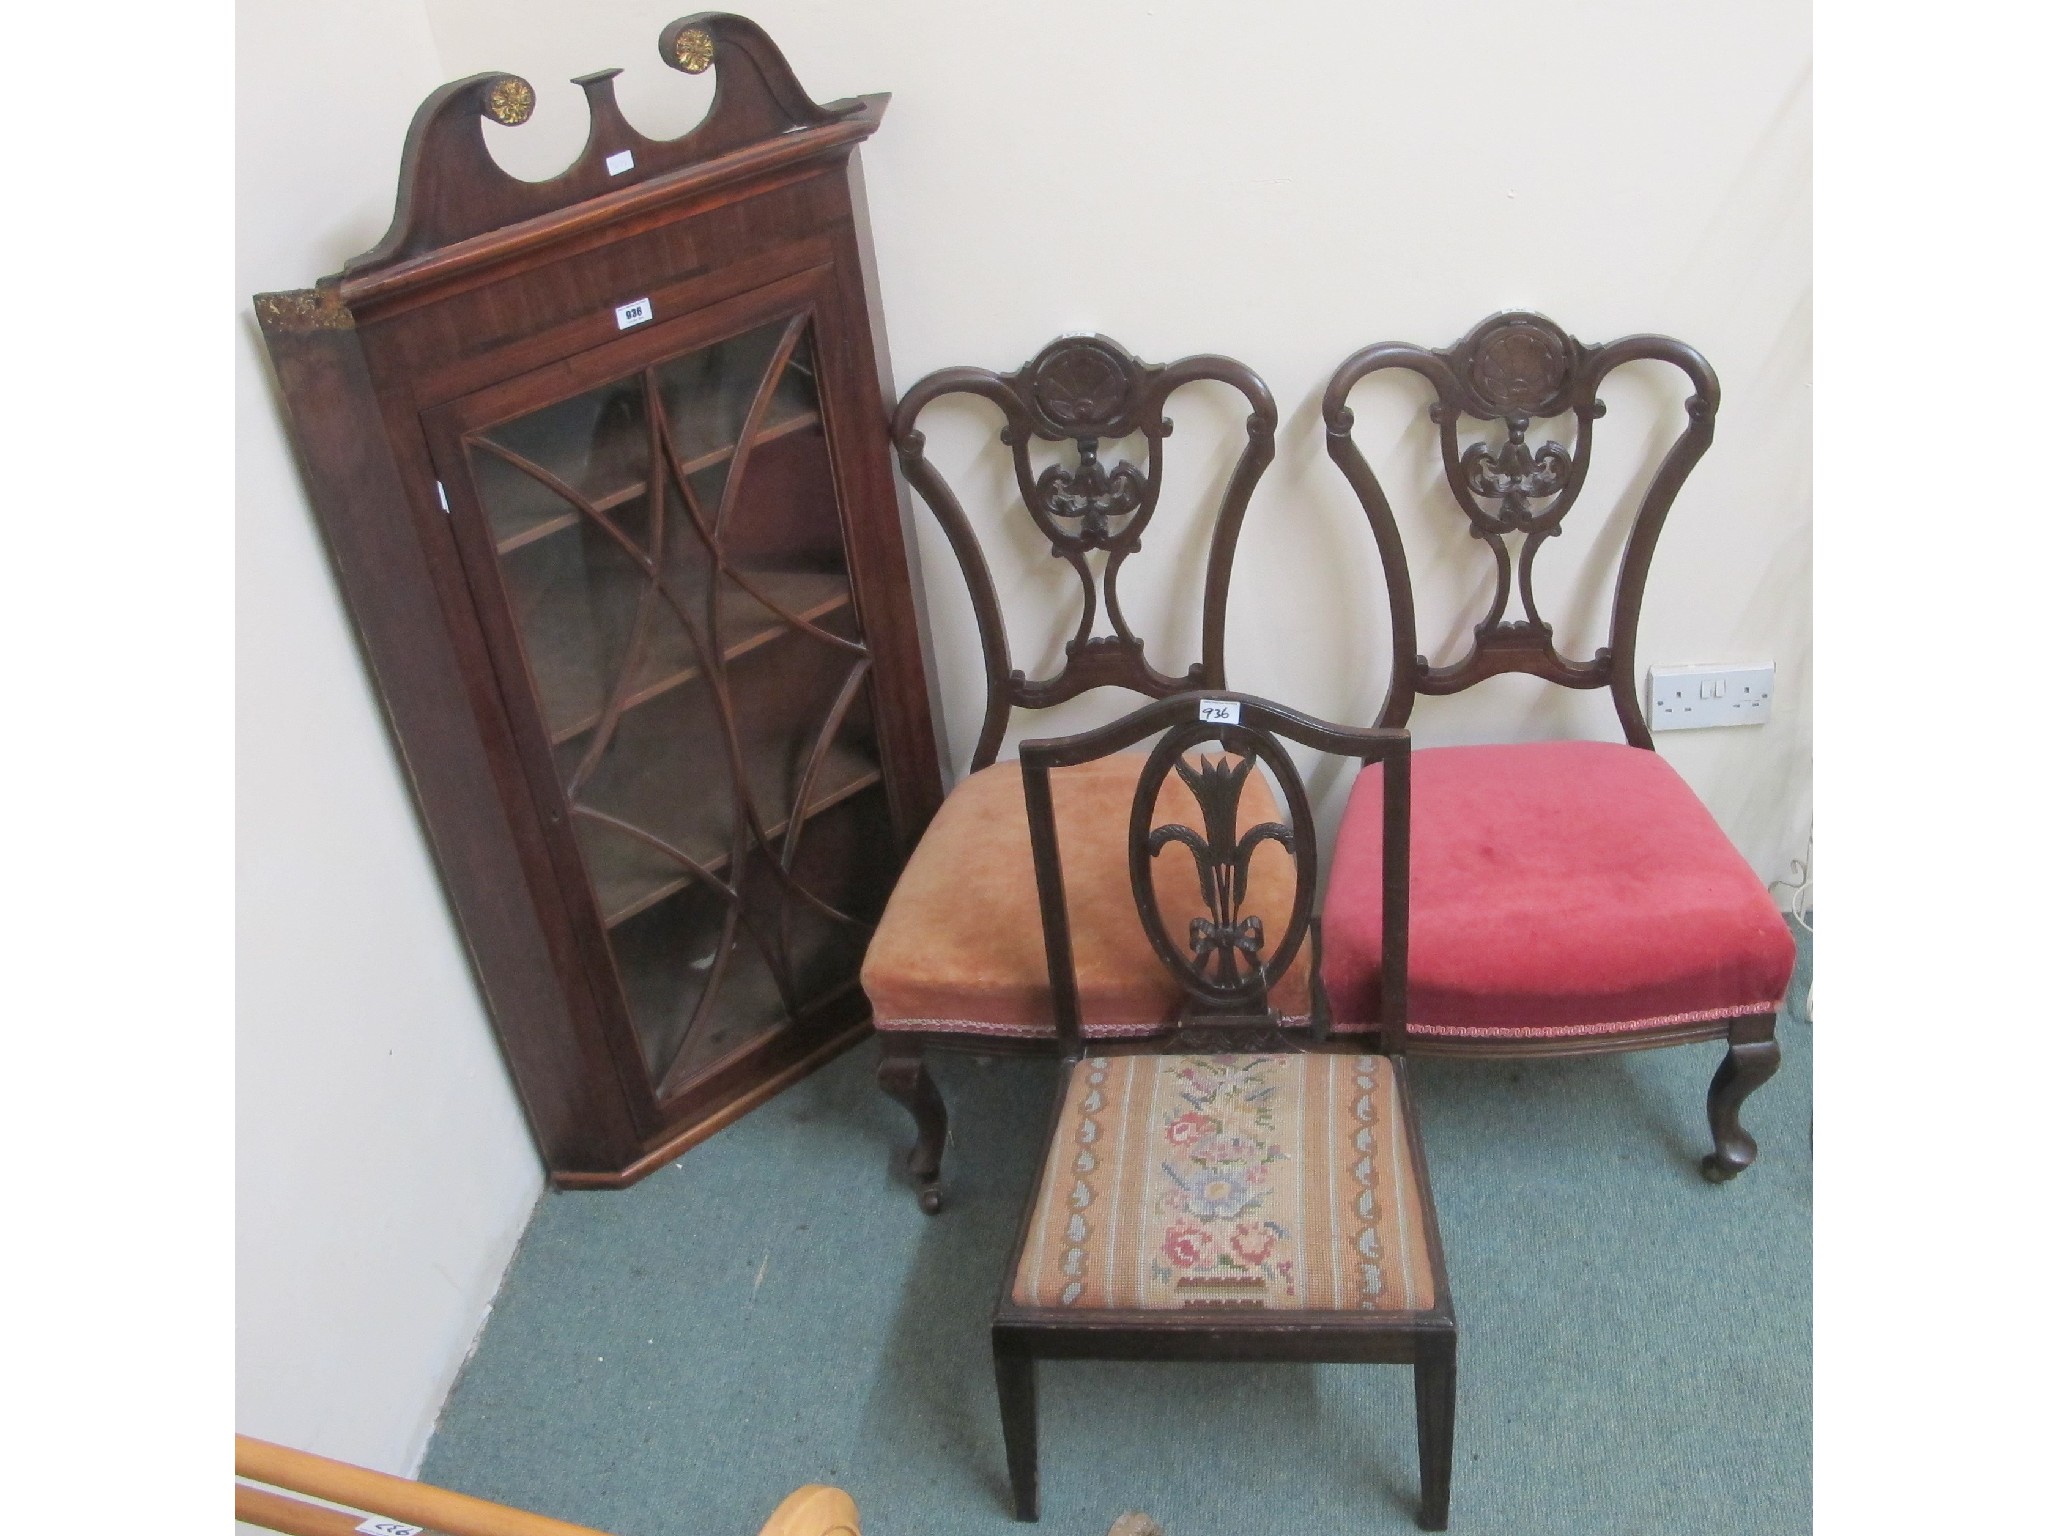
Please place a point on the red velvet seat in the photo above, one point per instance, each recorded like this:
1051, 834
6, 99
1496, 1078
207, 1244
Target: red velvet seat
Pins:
1561, 889
1572, 896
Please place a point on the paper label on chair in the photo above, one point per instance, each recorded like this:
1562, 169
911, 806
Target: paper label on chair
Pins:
1219, 712
639, 312
620, 163
377, 1525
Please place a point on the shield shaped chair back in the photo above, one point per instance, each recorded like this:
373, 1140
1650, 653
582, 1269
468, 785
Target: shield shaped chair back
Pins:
1231, 934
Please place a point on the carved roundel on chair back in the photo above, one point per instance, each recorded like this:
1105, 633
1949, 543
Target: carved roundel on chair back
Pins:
1519, 365
1083, 386
1230, 953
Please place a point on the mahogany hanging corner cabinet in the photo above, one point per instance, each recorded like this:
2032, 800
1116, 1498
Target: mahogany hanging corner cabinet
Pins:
601, 462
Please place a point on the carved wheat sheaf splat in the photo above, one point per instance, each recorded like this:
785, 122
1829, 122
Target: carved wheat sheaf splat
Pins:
1080, 392
1231, 947
1228, 945
1229, 960
1517, 369
639, 438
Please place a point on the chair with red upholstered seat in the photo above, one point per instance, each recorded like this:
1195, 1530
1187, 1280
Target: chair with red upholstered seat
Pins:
958, 958
1569, 896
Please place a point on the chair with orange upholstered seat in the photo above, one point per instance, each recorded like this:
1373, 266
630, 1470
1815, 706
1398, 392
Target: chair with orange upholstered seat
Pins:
958, 959
1570, 897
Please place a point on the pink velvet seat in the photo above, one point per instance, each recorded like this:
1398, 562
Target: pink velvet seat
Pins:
1561, 890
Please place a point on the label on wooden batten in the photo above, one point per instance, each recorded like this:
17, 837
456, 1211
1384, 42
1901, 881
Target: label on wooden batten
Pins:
377, 1525
620, 163
639, 312
1218, 711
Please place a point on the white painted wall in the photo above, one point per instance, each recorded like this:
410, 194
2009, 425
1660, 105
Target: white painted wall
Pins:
1283, 184
383, 1170
1286, 184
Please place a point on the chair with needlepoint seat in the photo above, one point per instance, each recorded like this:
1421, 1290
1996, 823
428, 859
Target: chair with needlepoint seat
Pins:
957, 959
1248, 1189
1570, 897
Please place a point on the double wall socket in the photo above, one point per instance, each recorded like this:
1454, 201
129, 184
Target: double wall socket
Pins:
1689, 698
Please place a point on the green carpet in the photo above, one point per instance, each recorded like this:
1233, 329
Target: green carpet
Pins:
773, 1309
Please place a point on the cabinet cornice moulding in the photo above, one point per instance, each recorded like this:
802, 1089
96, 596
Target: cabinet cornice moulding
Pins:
459, 212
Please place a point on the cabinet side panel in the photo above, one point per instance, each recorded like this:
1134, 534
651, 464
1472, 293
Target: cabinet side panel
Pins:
880, 551
339, 436
885, 379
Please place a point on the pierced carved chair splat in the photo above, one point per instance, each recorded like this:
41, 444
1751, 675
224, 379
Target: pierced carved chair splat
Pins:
1252, 1186
957, 958
1571, 896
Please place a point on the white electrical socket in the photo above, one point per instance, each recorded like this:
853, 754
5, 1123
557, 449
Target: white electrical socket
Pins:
1690, 698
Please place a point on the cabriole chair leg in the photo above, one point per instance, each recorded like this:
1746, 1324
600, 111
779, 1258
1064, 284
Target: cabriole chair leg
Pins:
902, 1075
1436, 1409
1746, 1068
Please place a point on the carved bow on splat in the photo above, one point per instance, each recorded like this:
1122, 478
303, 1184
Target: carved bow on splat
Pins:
1223, 860
1246, 936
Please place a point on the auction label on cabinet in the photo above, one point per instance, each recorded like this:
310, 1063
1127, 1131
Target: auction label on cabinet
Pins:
639, 312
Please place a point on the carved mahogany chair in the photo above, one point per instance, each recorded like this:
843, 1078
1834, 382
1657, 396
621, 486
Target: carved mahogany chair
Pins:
957, 959
1237, 1192
1571, 897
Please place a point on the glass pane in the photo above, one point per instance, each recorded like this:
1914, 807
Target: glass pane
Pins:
671, 551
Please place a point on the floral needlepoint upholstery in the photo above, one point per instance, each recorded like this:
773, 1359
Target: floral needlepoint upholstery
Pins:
1229, 1181
961, 948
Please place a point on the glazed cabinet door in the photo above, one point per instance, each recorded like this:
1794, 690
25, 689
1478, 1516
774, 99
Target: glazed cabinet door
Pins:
655, 542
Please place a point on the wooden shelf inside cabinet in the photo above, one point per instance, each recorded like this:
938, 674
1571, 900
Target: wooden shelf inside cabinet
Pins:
656, 677
755, 1010
630, 875
614, 480
559, 648
725, 999
683, 1044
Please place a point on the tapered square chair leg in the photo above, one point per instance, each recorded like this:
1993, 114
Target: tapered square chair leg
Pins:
1017, 1394
1436, 1410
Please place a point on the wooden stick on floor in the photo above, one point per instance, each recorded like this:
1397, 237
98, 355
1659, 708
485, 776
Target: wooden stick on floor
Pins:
400, 1498
812, 1510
